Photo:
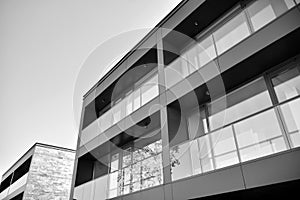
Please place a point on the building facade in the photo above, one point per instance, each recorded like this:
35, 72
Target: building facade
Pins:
43, 172
207, 106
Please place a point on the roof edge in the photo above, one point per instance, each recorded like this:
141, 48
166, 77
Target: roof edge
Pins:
148, 35
32, 147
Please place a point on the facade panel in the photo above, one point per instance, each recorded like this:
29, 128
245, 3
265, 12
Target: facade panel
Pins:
224, 113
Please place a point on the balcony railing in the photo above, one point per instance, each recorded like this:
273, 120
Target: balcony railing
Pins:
253, 137
15, 186
250, 20
130, 103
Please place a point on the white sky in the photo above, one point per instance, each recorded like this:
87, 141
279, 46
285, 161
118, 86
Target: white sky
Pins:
43, 44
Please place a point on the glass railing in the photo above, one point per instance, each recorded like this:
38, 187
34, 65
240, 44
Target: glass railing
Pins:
130, 103
95, 189
4, 193
18, 183
254, 137
141, 169
248, 21
14, 186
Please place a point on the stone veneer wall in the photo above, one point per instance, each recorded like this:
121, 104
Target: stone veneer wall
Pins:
50, 174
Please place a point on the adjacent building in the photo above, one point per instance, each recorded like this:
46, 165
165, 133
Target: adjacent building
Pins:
207, 105
43, 172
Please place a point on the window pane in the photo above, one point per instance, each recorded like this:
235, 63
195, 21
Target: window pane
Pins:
129, 104
126, 157
185, 160
240, 103
118, 111
126, 189
150, 90
151, 167
264, 11
113, 180
197, 124
231, 33
136, 172
176, 71
261, 13
152, 171
127, 175
287, 84
259, 136
191, 60
136, 99
291, 115
106, 120
112, 193
136, 186
114, 163
207, 51
181, 165
289, 3
141, 151
206, 159
224, 148
195, 157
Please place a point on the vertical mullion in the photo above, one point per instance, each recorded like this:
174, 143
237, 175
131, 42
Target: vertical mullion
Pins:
236, 143
248, 20
279, 116
209, 137
283, 127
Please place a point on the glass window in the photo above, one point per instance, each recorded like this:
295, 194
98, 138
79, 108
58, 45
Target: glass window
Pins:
176, 71
152, 171
240, 103
206, 158
223, 147
287, 84
197, 125
259, 136
150, 89
113, 184
143, 152
207, 51
114, 162
137, 99
291, 116
106, 120
191, 63
185, 160
231, 33
263, 12
136, 176
118, 111
126, 157
142, 165
289, 3
129, 104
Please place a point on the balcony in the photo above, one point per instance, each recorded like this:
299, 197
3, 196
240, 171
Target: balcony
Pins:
18, 184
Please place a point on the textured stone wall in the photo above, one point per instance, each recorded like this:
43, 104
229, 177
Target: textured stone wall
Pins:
50, 174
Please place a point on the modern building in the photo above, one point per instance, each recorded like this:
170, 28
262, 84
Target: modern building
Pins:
207, 105
43, 172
